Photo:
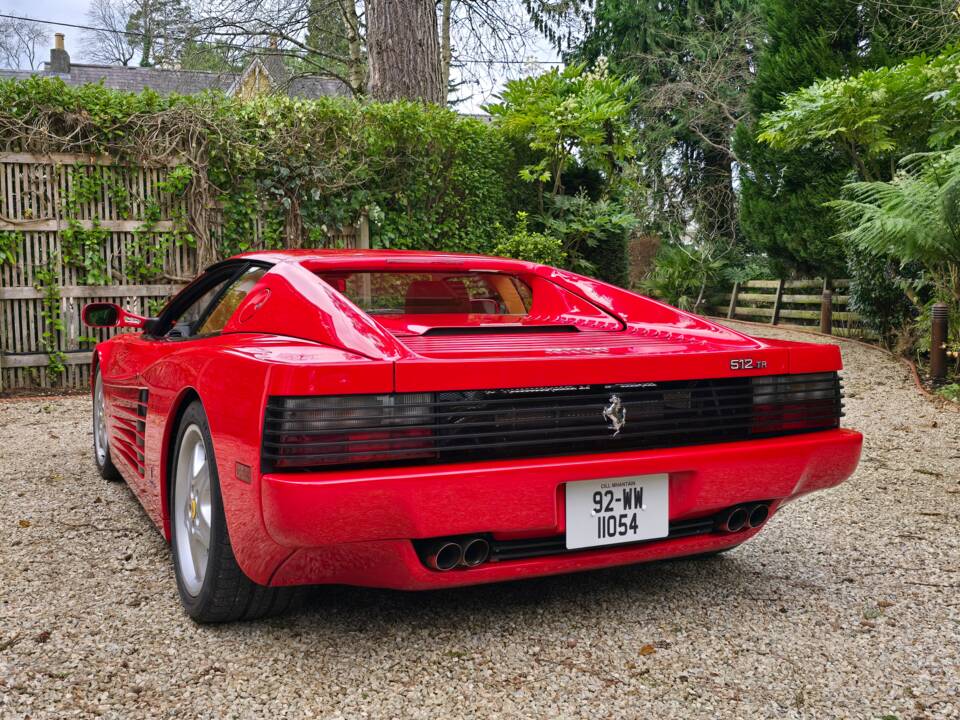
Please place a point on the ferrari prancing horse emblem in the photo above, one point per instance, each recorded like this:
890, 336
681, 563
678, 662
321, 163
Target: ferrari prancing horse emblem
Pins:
616, 414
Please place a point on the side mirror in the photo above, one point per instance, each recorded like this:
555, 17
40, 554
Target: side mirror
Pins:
102, 315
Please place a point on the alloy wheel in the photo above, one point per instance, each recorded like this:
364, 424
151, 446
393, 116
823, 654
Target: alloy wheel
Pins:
99, 422
192, 509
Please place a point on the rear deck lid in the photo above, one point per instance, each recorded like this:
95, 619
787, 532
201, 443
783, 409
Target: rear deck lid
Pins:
637, 354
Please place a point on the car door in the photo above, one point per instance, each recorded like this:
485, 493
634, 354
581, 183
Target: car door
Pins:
195, 315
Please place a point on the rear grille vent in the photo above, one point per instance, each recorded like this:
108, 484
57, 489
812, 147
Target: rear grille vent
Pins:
420, 428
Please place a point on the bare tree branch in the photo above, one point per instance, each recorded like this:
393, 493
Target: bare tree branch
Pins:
110, 45
21, 41
919, 25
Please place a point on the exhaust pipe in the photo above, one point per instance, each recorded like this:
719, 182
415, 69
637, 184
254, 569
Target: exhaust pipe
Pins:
475, 552
444, 555
734, 520
758, 515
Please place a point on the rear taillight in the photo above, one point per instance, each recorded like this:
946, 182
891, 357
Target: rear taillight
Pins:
791, 403
318, 432
332, 430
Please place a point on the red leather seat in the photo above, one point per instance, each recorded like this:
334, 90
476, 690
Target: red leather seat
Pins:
434, 297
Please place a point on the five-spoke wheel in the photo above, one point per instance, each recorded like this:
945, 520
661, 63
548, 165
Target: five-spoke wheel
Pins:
192, 508
213, 587
101, 442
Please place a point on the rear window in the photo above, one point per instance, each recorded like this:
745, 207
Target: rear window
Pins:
433, 293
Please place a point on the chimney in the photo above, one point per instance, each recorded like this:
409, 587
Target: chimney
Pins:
59, 58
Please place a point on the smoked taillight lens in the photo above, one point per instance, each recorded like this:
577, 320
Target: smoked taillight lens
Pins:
333, 430
790, 403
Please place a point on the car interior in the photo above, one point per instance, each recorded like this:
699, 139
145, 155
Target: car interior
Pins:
432, 293
207, 310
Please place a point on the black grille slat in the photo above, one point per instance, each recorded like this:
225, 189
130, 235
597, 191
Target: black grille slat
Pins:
600, 430
592, 396
591, 406
502, 550
635, 426
301, 433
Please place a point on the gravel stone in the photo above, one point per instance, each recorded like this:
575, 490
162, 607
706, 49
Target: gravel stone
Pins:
845, 606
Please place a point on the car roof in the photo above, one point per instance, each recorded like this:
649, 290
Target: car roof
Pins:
371, 259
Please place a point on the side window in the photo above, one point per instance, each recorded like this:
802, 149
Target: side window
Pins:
182, 325
228, 303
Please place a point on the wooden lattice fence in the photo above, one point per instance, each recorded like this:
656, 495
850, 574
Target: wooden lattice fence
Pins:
41, 296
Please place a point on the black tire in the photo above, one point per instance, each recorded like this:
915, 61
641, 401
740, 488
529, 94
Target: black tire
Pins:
226, 593
103, 460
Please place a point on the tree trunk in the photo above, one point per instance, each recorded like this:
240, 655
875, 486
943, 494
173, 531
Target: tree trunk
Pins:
446, 53
293, 226
355, 67
404, 51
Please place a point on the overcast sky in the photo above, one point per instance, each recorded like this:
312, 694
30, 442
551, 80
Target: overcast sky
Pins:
487, 83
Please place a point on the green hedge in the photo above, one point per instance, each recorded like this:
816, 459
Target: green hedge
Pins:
447, 188
429, 177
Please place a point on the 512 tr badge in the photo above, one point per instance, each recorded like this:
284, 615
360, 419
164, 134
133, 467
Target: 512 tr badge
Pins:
747, 364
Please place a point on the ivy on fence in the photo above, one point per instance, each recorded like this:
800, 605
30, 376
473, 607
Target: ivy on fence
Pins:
289, 167
46, 280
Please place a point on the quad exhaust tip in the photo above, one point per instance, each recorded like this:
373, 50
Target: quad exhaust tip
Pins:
739, 517
447, 554
734, 519
475, 552
444, 555
758, 515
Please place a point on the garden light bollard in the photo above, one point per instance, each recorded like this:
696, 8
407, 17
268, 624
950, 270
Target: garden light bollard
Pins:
826, 312
938, 341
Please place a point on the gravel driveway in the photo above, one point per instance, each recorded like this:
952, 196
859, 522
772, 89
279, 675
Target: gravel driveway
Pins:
845, 606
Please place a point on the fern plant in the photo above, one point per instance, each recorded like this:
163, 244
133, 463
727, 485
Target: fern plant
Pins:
914, 218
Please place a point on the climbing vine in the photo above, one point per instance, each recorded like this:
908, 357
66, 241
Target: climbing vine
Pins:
82, 241
148, 248
10, 243
46, 280
279, 171
266, 173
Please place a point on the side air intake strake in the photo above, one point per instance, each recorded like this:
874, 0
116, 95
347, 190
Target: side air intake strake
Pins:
302, 433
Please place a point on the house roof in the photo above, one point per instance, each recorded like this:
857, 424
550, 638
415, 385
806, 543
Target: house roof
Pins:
184, 82
134, 79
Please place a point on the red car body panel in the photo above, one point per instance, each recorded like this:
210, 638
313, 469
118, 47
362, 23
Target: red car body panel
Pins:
294, 335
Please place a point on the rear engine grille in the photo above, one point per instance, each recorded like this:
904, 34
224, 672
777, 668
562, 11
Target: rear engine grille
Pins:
303, 433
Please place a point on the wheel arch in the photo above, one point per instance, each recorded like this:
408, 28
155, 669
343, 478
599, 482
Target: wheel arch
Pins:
177, 409
94, 367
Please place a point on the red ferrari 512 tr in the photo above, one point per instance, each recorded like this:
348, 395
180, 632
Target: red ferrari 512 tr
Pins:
421, 420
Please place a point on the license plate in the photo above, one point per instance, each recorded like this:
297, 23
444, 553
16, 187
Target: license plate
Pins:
618, 510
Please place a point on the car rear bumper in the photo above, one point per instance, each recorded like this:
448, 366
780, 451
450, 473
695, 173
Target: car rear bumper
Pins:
356, 527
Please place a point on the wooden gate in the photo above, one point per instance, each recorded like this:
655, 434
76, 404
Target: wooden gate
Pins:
792, 302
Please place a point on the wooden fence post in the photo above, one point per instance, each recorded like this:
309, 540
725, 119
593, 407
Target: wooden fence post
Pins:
775, 318
826, 312
363, 241
364, 229
938, 341
733, 300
